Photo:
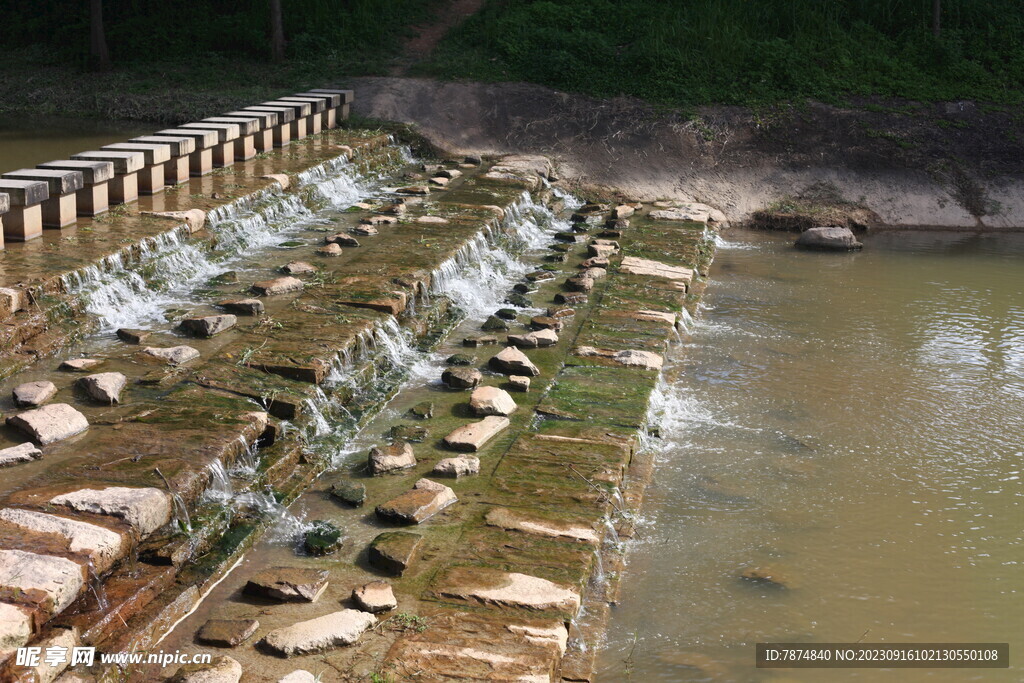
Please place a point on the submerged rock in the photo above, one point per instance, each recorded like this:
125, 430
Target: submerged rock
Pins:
227, 632
491, 401
507, 313
512, 361
323, 538
459, 466
375, 597
219, 670
425, 500
766, 575
105, 387
423, 410
175, 355
393, 551
80, 364
323, 633
397, 456
350, 492
472, 437
25, 452
34, 394
411, 433
288, 584
828, 239
51, 423
460, 359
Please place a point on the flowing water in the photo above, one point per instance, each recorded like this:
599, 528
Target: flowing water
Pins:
855, 423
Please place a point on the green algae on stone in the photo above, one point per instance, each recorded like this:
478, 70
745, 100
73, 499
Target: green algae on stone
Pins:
412, 433
423, 410
323, 538
349, 492
393, 551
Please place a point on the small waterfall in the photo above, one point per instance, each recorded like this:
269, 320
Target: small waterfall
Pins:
286, 526
597, 578
219, 489
248, 460
316, 422
181, 518
612, 535
98, 589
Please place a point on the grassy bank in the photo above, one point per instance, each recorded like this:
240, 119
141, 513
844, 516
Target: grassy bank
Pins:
745, 52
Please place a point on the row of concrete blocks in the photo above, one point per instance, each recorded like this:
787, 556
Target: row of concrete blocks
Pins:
55, 193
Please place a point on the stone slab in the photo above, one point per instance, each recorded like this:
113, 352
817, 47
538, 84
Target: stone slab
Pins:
226, 632
54, 582
472, 437
26, 452
512, 590
33, 394
153, 153
320, 634
50, 423
178, 145
249, 125
93, 172
288, 584
226, 132
103, 546
146, 509
25, 192
426, 499
125, 162
59, 181
204, 138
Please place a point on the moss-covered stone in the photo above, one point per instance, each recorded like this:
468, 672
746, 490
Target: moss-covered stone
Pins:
323, 538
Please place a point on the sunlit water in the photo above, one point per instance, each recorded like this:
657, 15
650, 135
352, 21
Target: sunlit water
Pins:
855, 422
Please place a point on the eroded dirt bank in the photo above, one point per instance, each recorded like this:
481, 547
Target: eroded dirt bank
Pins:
952, 165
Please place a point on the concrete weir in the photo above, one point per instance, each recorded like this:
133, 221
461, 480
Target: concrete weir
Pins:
150, 472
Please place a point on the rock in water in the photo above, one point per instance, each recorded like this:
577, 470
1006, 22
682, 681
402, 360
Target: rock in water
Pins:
227, 632
25, 452
472, 437
281, 285
288, 584
34, 394
491, 401
80, 364
422, 411
375, 597
147, 509
512, 361
210, 325
350, 492
397, 456
50, 423
459, 466
425, 500
175, 355
519, 382
243, 306
767, 576
323, 633
105, 387
323, 538
133, 336
461, 377
828, 239
393, 551
219, 670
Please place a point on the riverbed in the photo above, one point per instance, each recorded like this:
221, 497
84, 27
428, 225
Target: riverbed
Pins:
852, 423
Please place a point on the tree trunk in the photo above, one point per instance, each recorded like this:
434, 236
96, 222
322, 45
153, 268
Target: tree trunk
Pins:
276, 31
97, 37
936, 17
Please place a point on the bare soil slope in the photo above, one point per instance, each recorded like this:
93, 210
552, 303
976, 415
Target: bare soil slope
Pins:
957, 165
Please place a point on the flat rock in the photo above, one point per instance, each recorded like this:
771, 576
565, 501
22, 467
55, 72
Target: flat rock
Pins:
461, 377
58, 579
595, 262
103, 546
656, 316
80, 364
379, 220
330, 250
227, 632
459, 466
25, 452
828, 239
560, 312
15, 627
50, 423
535, 339
519, 382
414, 189
393, 551
580, 283
280, 285
640, 359
512, 361
491, 401
423, 410
472, 437
397, 456
460, 360
298, 268
174, 355
411, 433
366, 230
601, 251
350, 492
316, 635
425, 500
130, 336
146, 509
209, 325
288, 584
507, 589
220, 670
299, 676
243, 306
436, 220
375, 597
639, 266
104, 387
571, 298
342, 239
440, 181
516, 520
622, 211
34, 394
545, 322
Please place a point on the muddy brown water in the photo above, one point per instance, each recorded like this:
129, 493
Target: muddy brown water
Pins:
25, 142
854, 422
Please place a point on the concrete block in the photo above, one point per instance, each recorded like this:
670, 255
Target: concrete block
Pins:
204, 138
264, 140
346, 95
282, 135
245, 147
178, 145
285, 114
151, 179
224, 154
314, 124
200, 162
153, 154
24, 220
298, 129
343, 112
125, 161
246, 126
333, 99
92, 199
24, 192
317, 102
301, 109
176, 170
60, 210
267, 119
124, 189
5, 203
226, 132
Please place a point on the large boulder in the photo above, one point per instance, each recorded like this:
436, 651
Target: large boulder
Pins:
323, 633
104, 387
491, 401
50, 423
828, 239
397, 456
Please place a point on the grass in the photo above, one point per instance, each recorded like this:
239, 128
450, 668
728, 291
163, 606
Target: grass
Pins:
744, 52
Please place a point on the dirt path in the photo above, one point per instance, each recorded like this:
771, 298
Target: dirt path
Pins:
429, 35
